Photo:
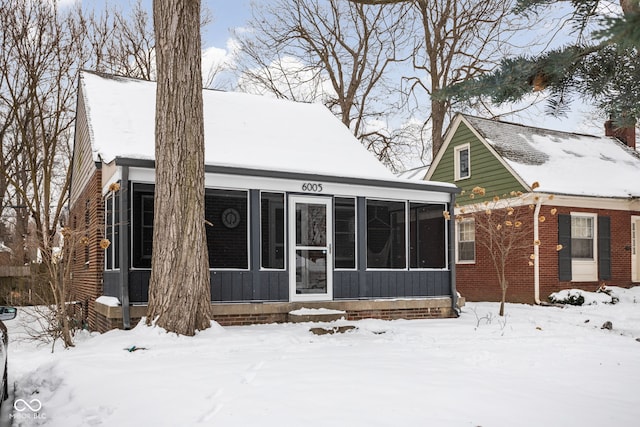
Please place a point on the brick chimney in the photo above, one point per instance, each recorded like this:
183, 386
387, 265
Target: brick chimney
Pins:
626, 135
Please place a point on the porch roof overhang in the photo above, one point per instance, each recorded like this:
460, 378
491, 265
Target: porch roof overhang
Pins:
432, 186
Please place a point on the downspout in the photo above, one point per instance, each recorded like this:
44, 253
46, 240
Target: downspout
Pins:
124, 247
452, 255
536, 252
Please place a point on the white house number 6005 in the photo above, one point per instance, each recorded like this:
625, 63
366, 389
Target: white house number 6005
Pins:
310, 187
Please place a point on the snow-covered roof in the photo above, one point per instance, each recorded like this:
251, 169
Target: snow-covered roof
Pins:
564, 162
241, 130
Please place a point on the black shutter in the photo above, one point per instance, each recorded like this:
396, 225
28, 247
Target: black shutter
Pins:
564, 255
604, 248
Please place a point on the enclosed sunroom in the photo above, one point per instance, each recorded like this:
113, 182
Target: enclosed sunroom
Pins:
298, 212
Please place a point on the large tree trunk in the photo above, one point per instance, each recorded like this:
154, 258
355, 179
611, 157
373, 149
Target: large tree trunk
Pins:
179, 294
438, 113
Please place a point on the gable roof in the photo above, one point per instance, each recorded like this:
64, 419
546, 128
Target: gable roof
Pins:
562, 162
241, 130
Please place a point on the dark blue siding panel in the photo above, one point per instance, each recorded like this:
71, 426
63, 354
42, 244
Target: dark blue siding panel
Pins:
111, 284
139, 286
216, 288
345, 284
283, 286
231, 286
392, 284
274, 285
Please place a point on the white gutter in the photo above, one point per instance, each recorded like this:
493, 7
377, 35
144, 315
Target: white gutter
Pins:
536, 252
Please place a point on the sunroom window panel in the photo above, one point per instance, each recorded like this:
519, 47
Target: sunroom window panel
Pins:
227, 228
142, 227
115, 241
386, 230
272, 230
345, 233
427, 236
108, 256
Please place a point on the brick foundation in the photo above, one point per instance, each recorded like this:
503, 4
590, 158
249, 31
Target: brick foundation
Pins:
278, 312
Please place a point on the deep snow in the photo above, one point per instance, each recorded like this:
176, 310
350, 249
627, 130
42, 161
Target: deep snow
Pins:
537, 366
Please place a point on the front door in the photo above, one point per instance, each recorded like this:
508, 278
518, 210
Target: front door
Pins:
310, 243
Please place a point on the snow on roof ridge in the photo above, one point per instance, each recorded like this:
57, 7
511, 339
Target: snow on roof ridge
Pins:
545, 130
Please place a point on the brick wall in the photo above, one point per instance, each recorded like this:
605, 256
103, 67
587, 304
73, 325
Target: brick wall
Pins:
478, 282
409, 314
87, 217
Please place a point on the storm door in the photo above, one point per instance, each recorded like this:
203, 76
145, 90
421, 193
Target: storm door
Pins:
310, 243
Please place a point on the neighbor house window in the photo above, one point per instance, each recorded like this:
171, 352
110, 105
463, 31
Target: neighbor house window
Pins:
386, 234
582, 237
227, 228
272, 230
426, 236
462, 162
466, 241
345, 233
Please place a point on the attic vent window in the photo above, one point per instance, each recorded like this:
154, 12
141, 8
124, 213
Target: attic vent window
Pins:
462, 162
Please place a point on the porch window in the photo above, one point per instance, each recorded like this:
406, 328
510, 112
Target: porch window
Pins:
582, 234
227, 228
462, 162
426, 236
466, 241
108, 231
112, 231
345, 233
142, 225
227, 236
386, 233
272, 230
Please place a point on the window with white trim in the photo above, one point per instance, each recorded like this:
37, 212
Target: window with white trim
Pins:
582, 237
466, 237
462, 160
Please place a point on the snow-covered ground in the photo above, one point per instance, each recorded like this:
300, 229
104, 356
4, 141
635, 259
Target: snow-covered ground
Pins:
537, 366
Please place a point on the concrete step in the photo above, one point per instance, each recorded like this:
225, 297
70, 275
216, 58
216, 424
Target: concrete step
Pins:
315, 315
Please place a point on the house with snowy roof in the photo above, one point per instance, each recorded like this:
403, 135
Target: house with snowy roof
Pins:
584, 204
299, 213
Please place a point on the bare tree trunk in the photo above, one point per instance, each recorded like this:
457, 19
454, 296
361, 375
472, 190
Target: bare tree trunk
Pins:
179, 293
438, 114
503, 287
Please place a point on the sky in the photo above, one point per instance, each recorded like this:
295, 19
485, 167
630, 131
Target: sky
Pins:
218, 49
227, 14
